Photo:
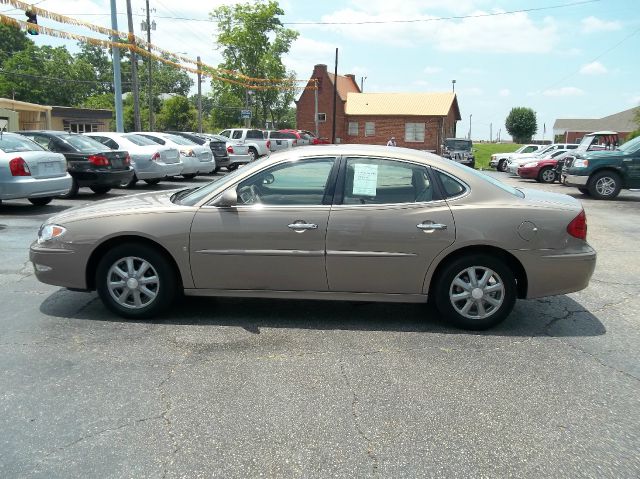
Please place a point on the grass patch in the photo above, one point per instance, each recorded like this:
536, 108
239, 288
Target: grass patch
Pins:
485, 150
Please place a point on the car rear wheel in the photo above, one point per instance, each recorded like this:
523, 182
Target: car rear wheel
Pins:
253, 154
475, 292
502, 165
73, 191
546, 175
136, 281
155, 181
41, 201
100, 190
190, 176
129, 184
584, 191
605, 185
232, 167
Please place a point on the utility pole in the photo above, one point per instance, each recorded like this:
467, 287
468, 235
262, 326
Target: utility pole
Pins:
115, 61
199, 95
315, 94
134, 72
149, 27
470, 126
335, 94
490, 132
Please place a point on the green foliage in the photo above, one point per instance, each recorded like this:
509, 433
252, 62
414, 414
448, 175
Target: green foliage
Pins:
636, 116
485, 150
12, 40
177, 113
253, 41
632, 135
226, 110
521, 124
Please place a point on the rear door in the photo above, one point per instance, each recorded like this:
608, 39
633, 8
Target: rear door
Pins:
388, 226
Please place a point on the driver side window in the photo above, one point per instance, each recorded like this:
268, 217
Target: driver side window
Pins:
297, 183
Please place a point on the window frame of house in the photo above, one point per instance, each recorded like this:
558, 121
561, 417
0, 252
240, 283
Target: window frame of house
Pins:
71, 126
369, 128
322, 117
410, 132
357, 128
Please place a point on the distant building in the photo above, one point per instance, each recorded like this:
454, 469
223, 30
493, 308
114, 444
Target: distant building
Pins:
571, 130
416, 120
21, 115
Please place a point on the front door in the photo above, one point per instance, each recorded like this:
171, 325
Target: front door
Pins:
274, 239
389, 227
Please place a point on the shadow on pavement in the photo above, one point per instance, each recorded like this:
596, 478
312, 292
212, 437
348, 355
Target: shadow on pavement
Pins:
558, 316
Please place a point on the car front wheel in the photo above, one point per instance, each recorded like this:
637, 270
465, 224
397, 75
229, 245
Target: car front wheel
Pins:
41, 201
475, 292
605, 185
136, 281
546, 175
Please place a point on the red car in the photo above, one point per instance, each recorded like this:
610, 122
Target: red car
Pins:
306, 137
541, 169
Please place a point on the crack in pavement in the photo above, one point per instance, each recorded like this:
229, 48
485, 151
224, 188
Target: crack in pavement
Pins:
356, 421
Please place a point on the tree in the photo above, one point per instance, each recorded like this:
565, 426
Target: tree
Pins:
253, 41
521, 124
177, 113
100, 62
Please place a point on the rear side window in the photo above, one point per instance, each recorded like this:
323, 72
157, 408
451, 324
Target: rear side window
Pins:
255, 134
237, 135
450, 186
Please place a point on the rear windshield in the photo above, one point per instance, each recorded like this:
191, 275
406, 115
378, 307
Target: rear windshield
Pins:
83, 143
179, 140
140, 140
631, 145
15, 143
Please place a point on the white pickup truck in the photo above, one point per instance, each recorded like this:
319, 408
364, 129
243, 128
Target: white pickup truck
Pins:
251, 138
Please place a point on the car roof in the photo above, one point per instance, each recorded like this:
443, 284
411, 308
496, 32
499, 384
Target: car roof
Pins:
379, 151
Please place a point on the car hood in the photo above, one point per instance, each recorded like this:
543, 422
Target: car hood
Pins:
143, 203
547, 199
602, 154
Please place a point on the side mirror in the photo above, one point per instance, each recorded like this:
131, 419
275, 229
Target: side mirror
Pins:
228, 199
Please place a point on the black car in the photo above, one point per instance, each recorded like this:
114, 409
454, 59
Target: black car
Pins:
218, 145
89, 162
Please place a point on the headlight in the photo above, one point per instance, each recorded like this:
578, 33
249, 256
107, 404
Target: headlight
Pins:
533, 164
580, 163
49, 232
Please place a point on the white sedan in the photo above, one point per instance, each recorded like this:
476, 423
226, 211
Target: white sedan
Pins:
152, 162
29, 171
196, 159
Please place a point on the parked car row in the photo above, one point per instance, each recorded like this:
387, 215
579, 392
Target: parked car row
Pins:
597, 166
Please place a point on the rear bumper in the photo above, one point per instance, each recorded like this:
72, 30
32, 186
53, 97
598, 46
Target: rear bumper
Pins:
28, 187
156, 170
552, 273
575, 180
102, 178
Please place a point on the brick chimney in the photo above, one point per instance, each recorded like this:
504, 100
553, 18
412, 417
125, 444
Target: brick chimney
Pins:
319, 72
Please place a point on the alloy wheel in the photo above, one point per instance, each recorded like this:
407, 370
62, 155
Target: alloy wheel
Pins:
133, 282
605, 186
477, 292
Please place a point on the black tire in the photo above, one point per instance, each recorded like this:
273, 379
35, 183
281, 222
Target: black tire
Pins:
129, 184
155, 181
232, 167
502, 165
41, 201
73, 191
584, 191
190, 176
253, 154
216, 169
99, 189
443, 287
605, 185
546, 175
165, 288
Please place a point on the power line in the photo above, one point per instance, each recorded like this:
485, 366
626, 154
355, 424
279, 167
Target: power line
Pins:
67, 80
379, 22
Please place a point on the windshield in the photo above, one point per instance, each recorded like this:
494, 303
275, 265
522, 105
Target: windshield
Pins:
545, 150
198, 194
15, 143
140, 140
631, 145
83, 143
458, 144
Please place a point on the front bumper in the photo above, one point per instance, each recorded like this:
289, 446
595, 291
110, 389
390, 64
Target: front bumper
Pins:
59, 266
576, 180
528, 173
29, 187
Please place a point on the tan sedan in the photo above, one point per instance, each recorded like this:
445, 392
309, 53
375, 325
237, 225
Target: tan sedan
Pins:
341, 222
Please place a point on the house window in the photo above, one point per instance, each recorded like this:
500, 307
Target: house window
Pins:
77, 127
322, 117
414, 132
369, 128
353, 128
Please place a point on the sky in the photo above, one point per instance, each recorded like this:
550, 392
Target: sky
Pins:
562, 58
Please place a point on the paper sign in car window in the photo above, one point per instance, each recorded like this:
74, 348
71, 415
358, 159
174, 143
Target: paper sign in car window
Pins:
365, 179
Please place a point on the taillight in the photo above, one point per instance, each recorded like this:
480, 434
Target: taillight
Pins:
229, 149
127, 160
578, 226
156, 156
99, 160
19, 167
268, 144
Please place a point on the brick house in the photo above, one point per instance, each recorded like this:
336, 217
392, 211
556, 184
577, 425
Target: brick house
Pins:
571, 130
416, 120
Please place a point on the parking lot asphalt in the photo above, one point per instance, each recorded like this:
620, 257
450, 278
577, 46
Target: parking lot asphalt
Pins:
275, 388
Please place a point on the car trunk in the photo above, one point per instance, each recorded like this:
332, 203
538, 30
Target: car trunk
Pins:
218, 148
44, 164
116, 160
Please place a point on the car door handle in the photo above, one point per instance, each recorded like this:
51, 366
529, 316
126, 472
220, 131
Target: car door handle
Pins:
303, 226
431, 226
